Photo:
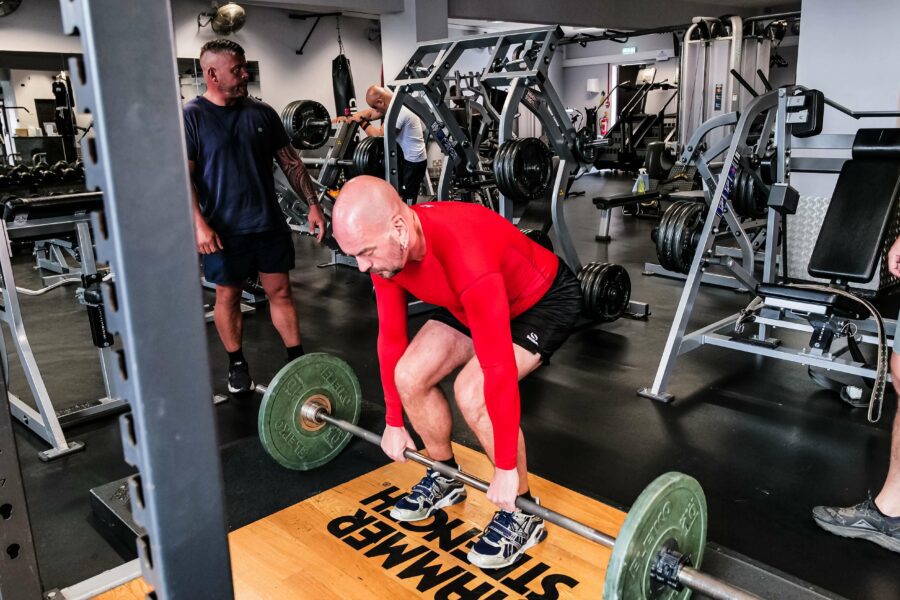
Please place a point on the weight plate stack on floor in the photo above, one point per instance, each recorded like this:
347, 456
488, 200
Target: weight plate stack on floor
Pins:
293, 441
678, 233
605, 291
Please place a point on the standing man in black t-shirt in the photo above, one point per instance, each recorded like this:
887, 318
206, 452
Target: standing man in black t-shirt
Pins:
240, 229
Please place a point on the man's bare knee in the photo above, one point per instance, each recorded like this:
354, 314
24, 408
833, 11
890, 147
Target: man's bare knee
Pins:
228, 296
469, 394
411, 384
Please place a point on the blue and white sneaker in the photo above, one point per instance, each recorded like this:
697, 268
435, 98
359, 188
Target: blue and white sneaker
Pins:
506, 538
433, 492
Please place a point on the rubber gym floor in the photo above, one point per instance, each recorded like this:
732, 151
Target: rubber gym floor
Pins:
764, 441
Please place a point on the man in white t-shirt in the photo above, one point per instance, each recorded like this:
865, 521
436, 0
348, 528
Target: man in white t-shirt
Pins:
410, 138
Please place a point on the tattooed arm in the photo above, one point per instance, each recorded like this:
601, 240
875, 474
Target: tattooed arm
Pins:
301, 182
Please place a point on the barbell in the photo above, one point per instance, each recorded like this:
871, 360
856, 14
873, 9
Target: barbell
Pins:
367, 158
307, 123
309, 413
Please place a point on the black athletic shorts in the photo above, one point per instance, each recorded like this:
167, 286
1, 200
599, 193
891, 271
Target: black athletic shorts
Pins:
544, 327
412, 174
245, 256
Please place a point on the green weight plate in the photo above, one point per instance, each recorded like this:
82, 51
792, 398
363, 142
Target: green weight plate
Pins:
312, 377
670, 512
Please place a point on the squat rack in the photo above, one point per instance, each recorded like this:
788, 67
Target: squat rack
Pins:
145, 235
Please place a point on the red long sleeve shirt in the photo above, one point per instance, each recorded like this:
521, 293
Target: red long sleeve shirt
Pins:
485, 272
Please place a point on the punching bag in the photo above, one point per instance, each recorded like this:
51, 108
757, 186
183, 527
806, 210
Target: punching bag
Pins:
342, 78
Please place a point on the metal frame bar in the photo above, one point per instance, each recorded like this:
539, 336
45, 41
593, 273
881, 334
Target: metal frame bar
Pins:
184, 553
719, 206
19, 576
96, 585
46, 421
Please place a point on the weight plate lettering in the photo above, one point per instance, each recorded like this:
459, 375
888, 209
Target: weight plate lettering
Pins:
670, 512
308, 378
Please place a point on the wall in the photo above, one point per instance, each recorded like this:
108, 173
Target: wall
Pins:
269, 37
28, 86
616, 14
863, 75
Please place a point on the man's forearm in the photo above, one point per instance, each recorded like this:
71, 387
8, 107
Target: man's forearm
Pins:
296, 174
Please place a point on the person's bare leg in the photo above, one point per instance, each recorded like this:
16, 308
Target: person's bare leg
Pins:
433, 354
281, 307
227, 316
888, 500
469, 392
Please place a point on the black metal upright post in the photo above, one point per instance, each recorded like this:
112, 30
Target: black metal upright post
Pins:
127, 80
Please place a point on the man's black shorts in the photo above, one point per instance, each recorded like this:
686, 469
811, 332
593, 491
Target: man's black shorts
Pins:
245, 256
544, 327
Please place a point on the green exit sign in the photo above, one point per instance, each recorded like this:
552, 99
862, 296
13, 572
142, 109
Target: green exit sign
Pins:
629, 49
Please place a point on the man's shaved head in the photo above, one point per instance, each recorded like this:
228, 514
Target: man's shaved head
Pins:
378, 98
372, 223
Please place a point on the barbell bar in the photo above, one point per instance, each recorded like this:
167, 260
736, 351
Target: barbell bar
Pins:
300, 426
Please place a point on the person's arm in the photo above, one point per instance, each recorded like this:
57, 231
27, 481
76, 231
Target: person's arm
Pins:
392, 342
208, 240
370, 130
487, 310
894, 258
298, 177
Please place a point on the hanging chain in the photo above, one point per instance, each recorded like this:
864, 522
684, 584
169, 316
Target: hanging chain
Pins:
340, 41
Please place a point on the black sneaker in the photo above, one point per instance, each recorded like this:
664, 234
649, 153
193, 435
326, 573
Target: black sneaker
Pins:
861, 521
239, 380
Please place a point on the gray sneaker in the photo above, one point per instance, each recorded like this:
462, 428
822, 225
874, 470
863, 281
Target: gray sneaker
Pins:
506, 538
433, 492
861, 521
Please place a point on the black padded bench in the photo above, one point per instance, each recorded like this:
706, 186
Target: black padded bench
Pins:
852, 238
51, 206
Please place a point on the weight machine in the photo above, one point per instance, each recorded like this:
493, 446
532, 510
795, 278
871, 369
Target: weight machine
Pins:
27, 218
791, 114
